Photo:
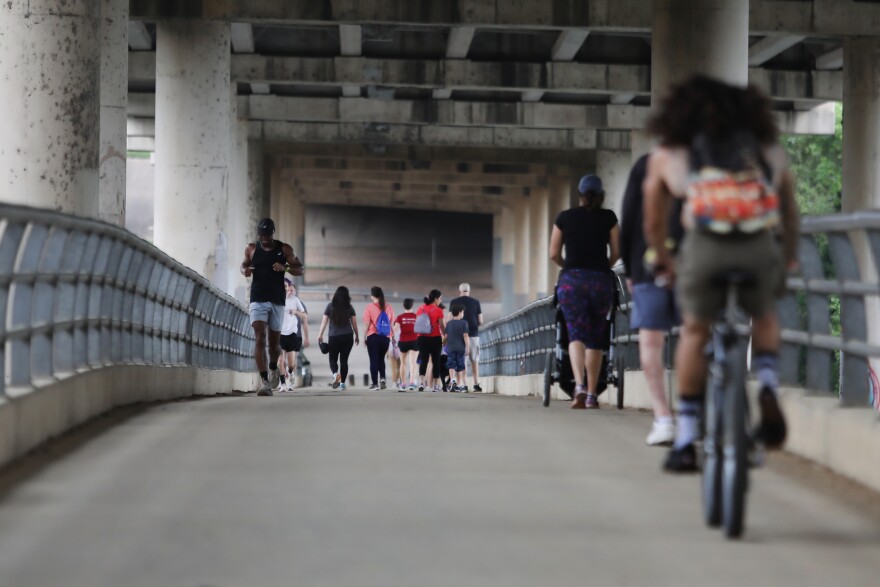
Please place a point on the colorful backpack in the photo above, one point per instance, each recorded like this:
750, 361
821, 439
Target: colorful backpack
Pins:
729, 191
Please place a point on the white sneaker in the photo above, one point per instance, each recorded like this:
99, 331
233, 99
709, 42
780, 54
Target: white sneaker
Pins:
274, 378
662, 434
264, 389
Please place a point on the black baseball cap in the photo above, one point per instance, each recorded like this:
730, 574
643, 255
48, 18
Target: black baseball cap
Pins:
266, 227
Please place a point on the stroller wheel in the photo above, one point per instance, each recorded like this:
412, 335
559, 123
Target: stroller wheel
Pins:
549, 367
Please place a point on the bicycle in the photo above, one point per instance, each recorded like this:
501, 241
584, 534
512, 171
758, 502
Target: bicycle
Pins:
727, 434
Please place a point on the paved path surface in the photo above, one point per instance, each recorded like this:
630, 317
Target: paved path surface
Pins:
415, 490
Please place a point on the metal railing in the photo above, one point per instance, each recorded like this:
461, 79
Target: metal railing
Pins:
829, 270
80, 294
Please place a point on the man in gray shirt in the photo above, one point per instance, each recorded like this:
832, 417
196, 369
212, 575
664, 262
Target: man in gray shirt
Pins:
457, 345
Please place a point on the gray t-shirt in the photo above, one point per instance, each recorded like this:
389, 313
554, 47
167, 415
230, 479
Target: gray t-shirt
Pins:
333, 329
455, 331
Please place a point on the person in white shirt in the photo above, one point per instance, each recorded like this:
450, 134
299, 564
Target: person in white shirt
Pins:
292, 342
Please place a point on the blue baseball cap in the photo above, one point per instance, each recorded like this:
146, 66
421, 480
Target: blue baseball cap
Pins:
590, 183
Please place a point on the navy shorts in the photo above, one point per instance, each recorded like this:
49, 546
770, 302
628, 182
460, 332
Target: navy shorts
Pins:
653, 308
455, 361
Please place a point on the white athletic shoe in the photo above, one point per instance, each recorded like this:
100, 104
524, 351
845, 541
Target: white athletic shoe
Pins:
662, 434
264, 389
274, 378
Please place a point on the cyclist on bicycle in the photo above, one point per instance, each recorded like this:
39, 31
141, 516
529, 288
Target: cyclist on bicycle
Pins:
719, 151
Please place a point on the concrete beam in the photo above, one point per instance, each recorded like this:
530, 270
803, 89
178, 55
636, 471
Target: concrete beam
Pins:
242, 37
350, 37
355, 185
442, 94
831, 60
456, 165
815, 17
427, 157
576, 78
139, 38
459, 42
819, 120
568, 43
771, 46
389, 200
476, 179
438, 135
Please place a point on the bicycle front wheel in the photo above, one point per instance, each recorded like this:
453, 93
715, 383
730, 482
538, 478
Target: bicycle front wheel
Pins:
549, 367
735, 483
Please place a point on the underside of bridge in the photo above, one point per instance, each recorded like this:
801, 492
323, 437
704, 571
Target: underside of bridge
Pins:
472, 106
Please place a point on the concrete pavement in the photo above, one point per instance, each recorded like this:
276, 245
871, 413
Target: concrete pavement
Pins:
391, 489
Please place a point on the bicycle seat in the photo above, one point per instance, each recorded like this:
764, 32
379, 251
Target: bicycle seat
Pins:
739, 277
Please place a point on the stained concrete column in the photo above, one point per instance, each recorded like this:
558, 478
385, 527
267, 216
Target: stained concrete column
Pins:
288, 211
257, 186
539, 234
699, 36
559, 199
497, 244
507, 231
241, 228
861, 156
613, 168
193, 105
50, 80
521, 267
110, 203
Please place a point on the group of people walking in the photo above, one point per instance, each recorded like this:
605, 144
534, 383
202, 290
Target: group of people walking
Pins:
428, 337
719, 161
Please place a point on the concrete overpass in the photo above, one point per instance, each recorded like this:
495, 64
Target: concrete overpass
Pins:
255, 108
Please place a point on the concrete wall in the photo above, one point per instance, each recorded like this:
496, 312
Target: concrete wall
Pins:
44, 413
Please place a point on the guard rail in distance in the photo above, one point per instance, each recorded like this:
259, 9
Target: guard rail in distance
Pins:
80, 294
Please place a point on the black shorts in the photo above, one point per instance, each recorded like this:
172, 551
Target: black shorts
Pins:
409, 346
291, 343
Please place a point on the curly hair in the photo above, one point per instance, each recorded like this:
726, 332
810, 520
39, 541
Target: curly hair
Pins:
701, 104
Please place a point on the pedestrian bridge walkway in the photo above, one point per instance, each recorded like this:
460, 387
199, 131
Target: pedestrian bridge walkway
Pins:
384, 488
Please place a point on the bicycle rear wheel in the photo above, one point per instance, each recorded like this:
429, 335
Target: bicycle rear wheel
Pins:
736, 469
549, 367
713, 457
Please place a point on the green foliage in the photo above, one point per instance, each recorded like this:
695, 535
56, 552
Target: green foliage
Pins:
816, 162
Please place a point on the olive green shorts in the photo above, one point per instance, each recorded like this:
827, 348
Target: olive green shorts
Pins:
703, 256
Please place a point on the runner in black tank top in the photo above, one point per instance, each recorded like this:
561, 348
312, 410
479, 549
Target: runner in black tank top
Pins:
267, 260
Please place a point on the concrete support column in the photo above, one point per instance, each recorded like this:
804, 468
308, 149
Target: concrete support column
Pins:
241, 227
257, 186
539, 235
288, 211
110, 203
507, 232
521, 267
50, 79
861, 155
613, 168
497, 239
193, 111
559, 199
699, 36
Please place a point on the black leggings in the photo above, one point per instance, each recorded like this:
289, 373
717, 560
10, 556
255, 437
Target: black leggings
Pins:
377, 348
430, 346
340, 348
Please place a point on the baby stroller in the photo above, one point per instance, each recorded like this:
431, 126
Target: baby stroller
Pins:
557, 366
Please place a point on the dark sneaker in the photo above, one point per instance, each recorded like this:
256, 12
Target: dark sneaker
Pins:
463, 389
592, 402
580, 401
337, 381
382, 384
772, 429
373, 387
681, 460
478, 389
421, 388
